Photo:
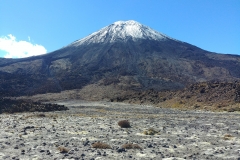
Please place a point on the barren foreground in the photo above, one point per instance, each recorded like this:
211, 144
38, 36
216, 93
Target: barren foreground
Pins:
70, 134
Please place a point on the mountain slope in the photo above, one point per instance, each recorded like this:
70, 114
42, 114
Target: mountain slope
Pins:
127, 55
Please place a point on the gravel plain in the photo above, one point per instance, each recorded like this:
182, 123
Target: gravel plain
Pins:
70, 134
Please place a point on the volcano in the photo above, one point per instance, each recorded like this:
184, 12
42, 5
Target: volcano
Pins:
125, 54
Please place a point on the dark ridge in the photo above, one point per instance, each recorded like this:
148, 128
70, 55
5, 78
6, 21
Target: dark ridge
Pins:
15, 106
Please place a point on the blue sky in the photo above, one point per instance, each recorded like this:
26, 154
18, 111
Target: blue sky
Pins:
39, 26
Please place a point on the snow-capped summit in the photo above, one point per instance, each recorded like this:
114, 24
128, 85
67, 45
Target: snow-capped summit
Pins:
125, 56
122, 30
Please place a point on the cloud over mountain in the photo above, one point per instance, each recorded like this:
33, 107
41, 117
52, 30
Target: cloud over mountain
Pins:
20, 49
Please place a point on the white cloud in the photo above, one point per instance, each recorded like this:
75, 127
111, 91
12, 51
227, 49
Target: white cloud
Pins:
20, 49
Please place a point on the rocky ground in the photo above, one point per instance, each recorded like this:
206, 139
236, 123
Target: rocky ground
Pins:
71, 134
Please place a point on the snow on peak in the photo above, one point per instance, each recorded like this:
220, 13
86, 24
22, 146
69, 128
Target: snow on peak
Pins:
130, 22
122, 30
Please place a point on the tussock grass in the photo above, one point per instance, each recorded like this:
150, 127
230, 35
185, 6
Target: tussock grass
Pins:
227, 137
124, 124
131, 146
63, 149
150, 131
101, 145
39, 115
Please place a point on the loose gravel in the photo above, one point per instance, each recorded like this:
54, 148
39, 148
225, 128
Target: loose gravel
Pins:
70, 134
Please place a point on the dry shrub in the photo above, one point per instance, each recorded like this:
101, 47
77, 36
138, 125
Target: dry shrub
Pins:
227, 137
40, 115
101, 145
196, 106
124, 124
63, 149
131, 146
150, 131
234, 109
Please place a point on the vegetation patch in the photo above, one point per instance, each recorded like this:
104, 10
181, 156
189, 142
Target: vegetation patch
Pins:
63, 149
227, 137
131, 146
233, 109
124, 124
101, 145
150, 131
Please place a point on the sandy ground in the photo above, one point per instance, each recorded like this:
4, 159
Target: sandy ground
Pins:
181, 134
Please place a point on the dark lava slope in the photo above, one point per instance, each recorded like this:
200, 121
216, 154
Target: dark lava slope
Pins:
126, 53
